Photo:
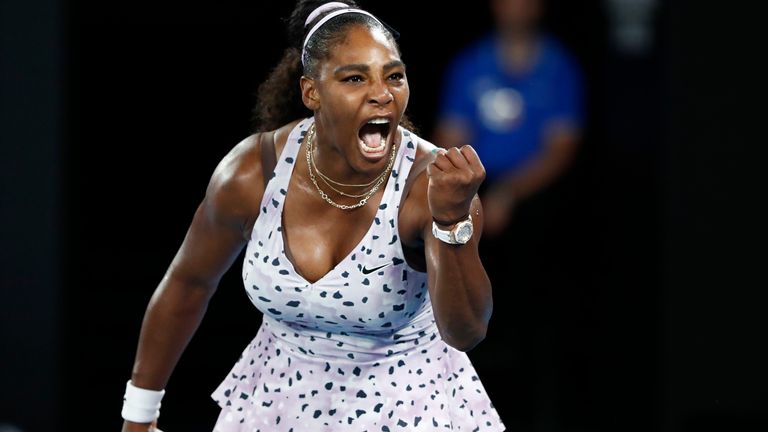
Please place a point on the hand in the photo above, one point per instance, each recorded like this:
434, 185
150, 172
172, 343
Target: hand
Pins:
497, 214
140, 427
498, 206
454, 178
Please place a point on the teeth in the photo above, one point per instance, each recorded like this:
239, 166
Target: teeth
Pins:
374, 149
380, 148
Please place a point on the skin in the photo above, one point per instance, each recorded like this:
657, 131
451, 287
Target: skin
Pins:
516, 23
319, 235
517, 16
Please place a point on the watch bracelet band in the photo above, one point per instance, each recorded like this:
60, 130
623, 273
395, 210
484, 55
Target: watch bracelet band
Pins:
449, 236
442, 235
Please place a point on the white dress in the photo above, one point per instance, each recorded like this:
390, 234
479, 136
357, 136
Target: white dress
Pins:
359, 349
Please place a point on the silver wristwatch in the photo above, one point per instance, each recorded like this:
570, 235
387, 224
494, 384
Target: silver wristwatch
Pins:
459, 234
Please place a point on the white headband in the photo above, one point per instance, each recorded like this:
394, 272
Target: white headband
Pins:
325, 19
324, 8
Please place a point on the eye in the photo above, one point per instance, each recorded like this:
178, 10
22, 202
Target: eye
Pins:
397, 76
353, 79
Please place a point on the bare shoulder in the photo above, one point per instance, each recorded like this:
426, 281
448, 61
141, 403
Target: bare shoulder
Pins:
230, 192
236, 187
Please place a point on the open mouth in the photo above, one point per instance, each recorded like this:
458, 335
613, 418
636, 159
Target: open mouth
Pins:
373, 136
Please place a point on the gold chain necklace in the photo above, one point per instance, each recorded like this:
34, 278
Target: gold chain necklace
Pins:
342, 192
329, 180
379, 180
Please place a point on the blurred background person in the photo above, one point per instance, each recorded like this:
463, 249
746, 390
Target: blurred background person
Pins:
516, 95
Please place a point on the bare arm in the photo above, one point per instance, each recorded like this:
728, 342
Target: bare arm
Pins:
557, 153
532, 177
458, 284
459, 287
214, 239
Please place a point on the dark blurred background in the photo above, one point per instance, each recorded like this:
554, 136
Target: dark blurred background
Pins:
114, 114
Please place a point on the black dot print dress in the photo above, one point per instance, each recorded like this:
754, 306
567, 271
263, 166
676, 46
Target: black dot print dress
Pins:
358, 350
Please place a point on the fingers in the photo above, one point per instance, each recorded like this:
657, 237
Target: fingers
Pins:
473, 160
448, 160
441, 161
456, 158
433, 169
462, 159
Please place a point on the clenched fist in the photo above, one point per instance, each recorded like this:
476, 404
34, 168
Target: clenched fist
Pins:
454, 178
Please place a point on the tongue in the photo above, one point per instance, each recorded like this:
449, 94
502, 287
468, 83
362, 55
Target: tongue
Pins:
372, 139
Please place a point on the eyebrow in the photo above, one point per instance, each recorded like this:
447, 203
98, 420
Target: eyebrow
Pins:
365, 68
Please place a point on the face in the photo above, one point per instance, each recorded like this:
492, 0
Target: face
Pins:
358, 96
520, 14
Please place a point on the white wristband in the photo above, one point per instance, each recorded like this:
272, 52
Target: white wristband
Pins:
141, 405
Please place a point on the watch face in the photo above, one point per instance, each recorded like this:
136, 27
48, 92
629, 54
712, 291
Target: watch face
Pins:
463, 232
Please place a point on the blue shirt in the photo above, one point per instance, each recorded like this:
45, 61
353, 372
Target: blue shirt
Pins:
509, 113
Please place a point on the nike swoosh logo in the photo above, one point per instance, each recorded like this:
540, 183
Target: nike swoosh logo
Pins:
369, 271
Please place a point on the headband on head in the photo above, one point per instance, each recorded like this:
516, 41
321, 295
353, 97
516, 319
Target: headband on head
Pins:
324, 8
327, 18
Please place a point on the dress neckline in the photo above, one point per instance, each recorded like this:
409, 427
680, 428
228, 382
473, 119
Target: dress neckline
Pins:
292, 149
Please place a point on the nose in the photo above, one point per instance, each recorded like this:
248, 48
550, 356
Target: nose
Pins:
380, 94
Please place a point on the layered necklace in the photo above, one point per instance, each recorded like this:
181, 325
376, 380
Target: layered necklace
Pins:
373, 185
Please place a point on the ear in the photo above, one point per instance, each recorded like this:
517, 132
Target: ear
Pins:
309, 93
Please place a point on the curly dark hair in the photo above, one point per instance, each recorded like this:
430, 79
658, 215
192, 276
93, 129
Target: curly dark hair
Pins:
278, 99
